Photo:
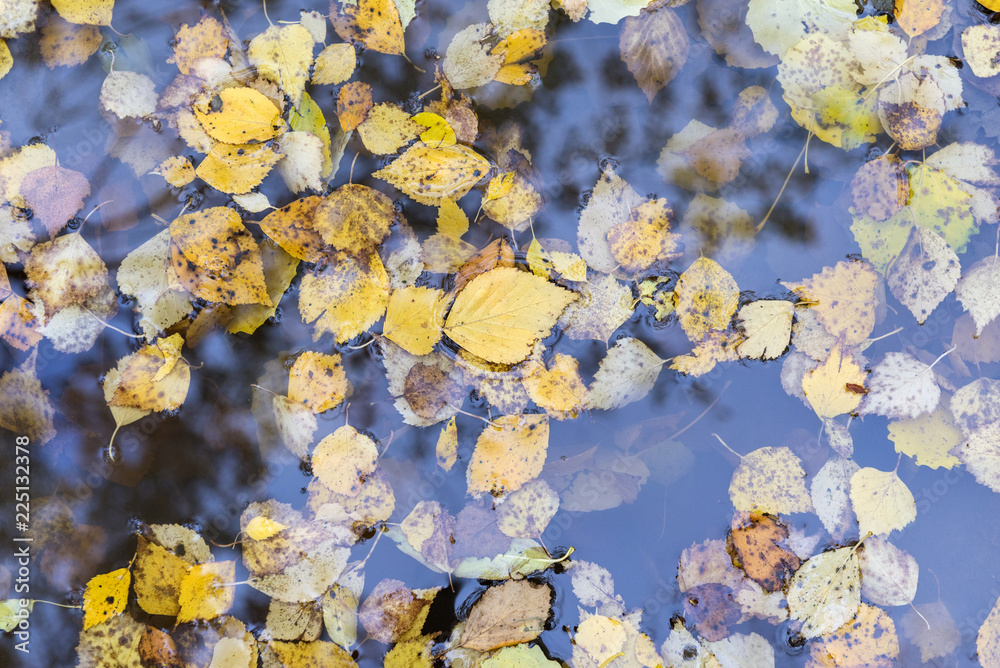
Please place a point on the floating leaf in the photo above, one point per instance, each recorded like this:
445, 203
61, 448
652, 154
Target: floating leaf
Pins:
654, 46
768, 327
882, 501
509, 614
626, 374
509, 453
343, 459
924, 273
283, 54
429, 174
346, 297
825, 593
335, 64
240, 116
843, 297
105, 596
770, 480
501, 313
929, 439
869, 640
826, 386
706, 298
888, 574
901, 387
979, 291
374, 23
318, 381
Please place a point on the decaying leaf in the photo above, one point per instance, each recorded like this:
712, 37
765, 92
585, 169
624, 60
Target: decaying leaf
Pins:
508, 614
825, 593
882, 501
770, 480
509, 453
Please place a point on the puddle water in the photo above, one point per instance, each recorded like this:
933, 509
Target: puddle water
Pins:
202, 465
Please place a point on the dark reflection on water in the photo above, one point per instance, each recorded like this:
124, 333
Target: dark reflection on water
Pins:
203, 466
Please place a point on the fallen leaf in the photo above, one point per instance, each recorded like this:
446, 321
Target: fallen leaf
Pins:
825, 387
756, 541
509, 614
392, 610
354, 101
354, 218
929, 439
374, 23
979, 291
768, 327
240, 116
343, 459
770, 480
706, 298
87, 12
335, 64
509, 453
869, 640
943, 637
429, 174
825, 593
626, 374
214, 257
283, 54
924, 273
206, 591
654, 46
346, 297
318, 381
501, 313
843, 297
882, 502
901, 387
414, 318
602, 638
154, 377
888, 574
105, 596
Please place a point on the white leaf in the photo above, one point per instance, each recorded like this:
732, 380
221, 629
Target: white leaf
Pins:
924, 272
901, 387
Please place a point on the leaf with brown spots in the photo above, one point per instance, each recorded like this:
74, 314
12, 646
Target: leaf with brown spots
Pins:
346, 297
344, 459
430, 174
756, 544
214, 257
712, 608
393, 610
509, 452
510, 614
353, 104
354, 218
318, 381
654, 46
291, 227
154, 377
374, 23
54, 194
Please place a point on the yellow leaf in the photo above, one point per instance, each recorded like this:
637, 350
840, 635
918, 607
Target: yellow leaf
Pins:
882, 502
279, 270
206, 591
236, 168
705, 298
768, 326
429, 174
158, 574
24, 404
239, 116
18, 323
517, 206
262, 528
6, 60
205, 39
353, 104
451, 219
354, 218
214, 257
335, 64
499, 186
291, 227
502, 312
374, 23
177, 171
844, 299
825, 593
602, 638
447, 445
916, 17
346, 297
517, 48
929, 439
151, 378
308, 117
717, 346
527, 512
825, 386
415, 317
64, 272
105, 596
283, 54
770, 480
343, 459
438, 132
318, 381
509, 453
296, 424
537, 259
85, 12
558, 389
67, 44
645, 238
387, 129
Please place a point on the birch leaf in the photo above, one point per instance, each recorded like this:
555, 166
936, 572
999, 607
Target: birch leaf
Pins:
924, 272
509, 454
901, 386
501, 313
626, 374
770, 480
882, 502
825, 593
768, 327
979, 291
